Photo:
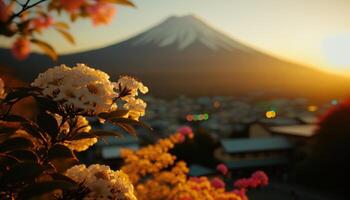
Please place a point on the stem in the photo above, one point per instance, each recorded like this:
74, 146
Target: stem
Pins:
25, 7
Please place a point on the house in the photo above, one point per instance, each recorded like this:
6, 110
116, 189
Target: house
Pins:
295, 131
254, 152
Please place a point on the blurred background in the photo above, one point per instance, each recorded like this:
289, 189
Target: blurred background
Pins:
264, 85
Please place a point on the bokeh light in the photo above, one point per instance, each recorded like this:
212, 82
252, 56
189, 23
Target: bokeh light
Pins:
270, 114
312, 108
334, 102
197, 117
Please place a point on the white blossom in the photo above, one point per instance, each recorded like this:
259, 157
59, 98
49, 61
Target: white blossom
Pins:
103, 182
132, 84
84, 87
136, 108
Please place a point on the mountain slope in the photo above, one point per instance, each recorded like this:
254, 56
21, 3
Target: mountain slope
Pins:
184, 55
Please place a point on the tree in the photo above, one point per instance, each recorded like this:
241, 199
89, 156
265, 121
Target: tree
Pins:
328, 152
24, 20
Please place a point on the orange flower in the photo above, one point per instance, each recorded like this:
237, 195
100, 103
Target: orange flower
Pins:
42, 22
21, 48
5, 11
101, 12
71, 5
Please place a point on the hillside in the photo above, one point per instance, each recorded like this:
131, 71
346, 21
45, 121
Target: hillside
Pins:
184, 55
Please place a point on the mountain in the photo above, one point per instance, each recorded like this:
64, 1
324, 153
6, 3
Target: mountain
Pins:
184, 55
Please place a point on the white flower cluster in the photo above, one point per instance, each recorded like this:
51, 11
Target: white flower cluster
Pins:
84, 87
132, 84
103, 182
135, 106
90, 89
82, 125
2, 89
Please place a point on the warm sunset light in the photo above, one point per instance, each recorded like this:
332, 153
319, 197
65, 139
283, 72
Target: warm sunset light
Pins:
337, 51
174, 100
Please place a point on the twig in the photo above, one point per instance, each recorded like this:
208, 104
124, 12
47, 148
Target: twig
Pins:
25, 7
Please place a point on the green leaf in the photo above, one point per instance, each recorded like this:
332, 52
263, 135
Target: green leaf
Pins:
114, 114
122, 2
24, 155
66, 35
83, 135
61, 25
19, 93
33, 129
129, 121
15, 143
15, 118
48, 49
62, 164
47, 104
48, 123
59, 151
102, 133
61, 177
7, 130
22, 172
38, 189
128, 128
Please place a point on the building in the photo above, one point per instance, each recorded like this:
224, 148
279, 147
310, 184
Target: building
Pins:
254, 153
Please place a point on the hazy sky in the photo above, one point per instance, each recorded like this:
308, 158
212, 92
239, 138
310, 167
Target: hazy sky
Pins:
314, 32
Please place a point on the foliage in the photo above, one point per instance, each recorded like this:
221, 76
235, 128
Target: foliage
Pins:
36, 154
25, 20
329, 150
157, 175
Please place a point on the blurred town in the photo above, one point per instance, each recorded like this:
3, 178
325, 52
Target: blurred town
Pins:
244, 133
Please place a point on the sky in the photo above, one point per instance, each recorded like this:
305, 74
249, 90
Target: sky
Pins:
311, 32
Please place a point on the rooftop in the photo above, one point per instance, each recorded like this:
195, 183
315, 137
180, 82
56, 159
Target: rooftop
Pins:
255, 144
295, 130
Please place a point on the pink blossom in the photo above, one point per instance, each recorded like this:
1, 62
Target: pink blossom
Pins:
241, 193
181, 138
71, 6
222, 168
101, 12
217, 183
257, 179
21, 48
5, 11
261, 178
185, 131
243, 183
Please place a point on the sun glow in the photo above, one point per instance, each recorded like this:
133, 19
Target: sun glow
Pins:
337, 51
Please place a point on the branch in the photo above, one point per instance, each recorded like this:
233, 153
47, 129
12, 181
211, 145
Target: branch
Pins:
25, 7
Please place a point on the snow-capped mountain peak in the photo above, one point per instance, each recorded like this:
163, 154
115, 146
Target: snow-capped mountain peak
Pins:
183, 31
